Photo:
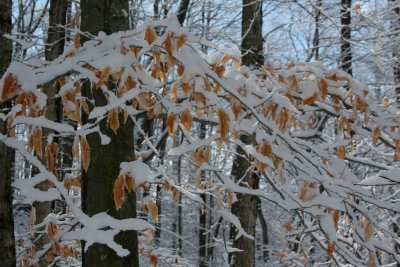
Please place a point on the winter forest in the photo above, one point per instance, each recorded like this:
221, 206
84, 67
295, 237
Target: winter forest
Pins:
200, 133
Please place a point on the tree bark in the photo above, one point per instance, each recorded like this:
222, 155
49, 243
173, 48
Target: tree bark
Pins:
183, 10
346, 57
98, 181
246, 206
395, 27
7, 251
54, 48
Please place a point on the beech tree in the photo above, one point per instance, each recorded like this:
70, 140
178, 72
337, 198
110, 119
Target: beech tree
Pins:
290, 111
7, 253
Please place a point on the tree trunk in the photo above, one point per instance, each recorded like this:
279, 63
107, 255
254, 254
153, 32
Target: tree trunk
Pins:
246, 206
183, 10
202, 217
98, 181
54, 48
264, 232
395, 27
7, 252
346, 57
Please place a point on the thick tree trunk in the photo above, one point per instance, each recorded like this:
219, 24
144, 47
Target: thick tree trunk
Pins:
202, 217
346, 57
246, 206
7, 251
54, 48
98, 181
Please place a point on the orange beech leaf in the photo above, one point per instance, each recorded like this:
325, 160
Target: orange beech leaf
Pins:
168, 44
230, 198
122, 49
369, 229
187, 120
324, 88
181, 41
10, 88
207, 84
151, 205
310, 100
51, 153
170, 124
85, 106
77, 40
341, 152
330, 249
130, 83
375, 135
371, 260
293, 83
149, 235
35, 141
288, 226
149, 36
85, 153
52, 231
336, 216
129, 183
113, 120
185, 88
223, 118
153, 260
174, 96
119, 193
219, 70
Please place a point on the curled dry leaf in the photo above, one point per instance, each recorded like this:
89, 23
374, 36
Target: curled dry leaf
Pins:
223, 123
10, 88
324, 88
341, 152
187, 120
151, 205
375, 135
129, 183
77, 40
153, 260
149, 36
52, 231
51, 153
181, 41
168, 44
119, 193
35, 141
113, 120
171, 124
85, 153
330, 249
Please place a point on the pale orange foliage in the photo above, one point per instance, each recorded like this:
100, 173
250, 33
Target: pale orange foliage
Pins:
52, 231
224, 122
113, 120
85, 153
170, 124
168, 44
310, 100
181, 41
10, 88
153, 260
375, 135
51, 153
324, 88
187, 120
149, 36
35, 141
119, 193
151, 205
330, 249
341, 152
